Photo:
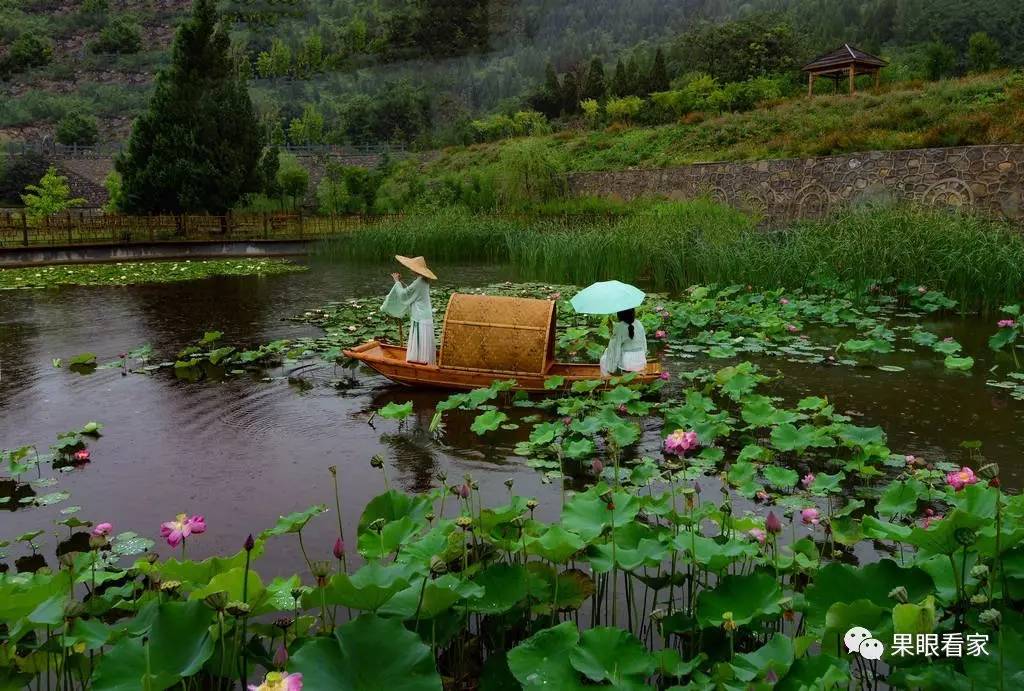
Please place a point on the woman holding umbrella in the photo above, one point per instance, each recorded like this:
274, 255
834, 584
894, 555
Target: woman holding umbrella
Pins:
627, 348
414, 300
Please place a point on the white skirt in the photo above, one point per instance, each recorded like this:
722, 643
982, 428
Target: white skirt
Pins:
421, 349
632, 361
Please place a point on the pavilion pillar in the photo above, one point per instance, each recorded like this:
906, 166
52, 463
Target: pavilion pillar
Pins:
878, 79
810, 83
852, 73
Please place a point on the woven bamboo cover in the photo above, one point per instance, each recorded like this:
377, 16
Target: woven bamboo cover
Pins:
498, 334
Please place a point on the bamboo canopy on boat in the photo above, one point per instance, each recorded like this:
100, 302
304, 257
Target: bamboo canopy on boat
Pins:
504, 335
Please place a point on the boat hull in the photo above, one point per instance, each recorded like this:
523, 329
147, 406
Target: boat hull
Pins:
389, 360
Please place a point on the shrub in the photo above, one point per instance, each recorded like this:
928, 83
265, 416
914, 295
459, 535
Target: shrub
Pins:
115, 196
528, 172
28, 51
19, 172
77, 127
121, 36
624, 109
982, 52
591, 111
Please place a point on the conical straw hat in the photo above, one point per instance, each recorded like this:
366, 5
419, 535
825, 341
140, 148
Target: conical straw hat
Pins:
417, 265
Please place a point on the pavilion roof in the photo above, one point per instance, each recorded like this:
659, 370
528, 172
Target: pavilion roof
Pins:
843, 56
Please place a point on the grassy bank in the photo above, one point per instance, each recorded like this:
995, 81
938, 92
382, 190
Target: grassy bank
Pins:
981, 109
674, 245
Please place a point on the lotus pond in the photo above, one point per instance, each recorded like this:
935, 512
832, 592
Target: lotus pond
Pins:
817, 460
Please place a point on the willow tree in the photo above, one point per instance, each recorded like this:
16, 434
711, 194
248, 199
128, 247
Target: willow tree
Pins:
197, 147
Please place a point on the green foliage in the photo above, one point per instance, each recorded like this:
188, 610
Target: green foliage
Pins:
292, 178
983, 52
528, 173
198, 146
130, 273
121, 35
348, 189
28, 50
307, 129
115, 195
940, 60
624, 109
739, 50
17, 172
77, 127
51, 196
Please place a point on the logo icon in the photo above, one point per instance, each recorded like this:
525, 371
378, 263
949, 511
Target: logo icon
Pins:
859, 640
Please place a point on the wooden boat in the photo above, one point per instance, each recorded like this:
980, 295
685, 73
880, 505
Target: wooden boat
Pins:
484, 339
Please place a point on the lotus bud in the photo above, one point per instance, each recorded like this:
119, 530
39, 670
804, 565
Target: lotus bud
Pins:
217, 601
464, 491
281, 657
97, 541
250, 542
597, 466
991, 617
377, 461
980, 572
979, 599
151, 557
238, 609
339, 549
66, 560
321, 570
899, 594
438, 566
772, 524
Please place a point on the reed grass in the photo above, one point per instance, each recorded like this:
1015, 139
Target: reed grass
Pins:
672, 245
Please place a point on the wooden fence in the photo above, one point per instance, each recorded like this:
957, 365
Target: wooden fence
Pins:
80, 227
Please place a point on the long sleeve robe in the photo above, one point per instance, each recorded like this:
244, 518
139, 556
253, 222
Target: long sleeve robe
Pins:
413, 301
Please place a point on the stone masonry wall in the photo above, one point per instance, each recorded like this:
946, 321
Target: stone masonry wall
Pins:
987, 179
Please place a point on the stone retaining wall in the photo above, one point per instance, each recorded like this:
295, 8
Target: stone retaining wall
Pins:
987, 179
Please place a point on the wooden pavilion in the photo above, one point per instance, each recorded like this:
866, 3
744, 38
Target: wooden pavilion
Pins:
846, 62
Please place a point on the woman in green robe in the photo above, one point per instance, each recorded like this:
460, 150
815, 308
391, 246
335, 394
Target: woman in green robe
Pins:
627, 348
414, 300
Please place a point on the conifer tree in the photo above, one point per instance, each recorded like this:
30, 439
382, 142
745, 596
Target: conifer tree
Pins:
594, 86
620, 82
197, 147
658, 80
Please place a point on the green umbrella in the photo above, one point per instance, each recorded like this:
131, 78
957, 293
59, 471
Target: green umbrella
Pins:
607, 297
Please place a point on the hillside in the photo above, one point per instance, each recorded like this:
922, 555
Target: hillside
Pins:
422, 70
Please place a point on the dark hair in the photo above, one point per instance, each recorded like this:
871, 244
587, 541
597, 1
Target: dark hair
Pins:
628, 316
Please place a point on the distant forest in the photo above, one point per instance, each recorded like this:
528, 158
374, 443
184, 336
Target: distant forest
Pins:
424, 71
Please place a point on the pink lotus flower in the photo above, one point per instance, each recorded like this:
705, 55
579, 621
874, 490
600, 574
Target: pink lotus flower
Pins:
665, 376
761, 495
281, 657
660, 335
930, 517
792, 328
597, 466
339, 549
1006, 324
758, 534
909, 458
922, 290
958, 479
555, 296
103, 530
181, 527
807, 480
810, 516
464, 491
772, 524
680, 442
279, 681
81, 456
622, 408
783, 301
566, 420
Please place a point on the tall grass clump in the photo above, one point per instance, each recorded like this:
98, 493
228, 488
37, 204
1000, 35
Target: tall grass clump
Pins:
451, 234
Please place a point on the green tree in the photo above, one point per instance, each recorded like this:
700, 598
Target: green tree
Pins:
51, 196
982, 52
197, 147
115, 195
624, 109
939, 60
292, 178
309, 128
739, 50
620, 82
570, 93
594, 86
77, 127
658, 81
